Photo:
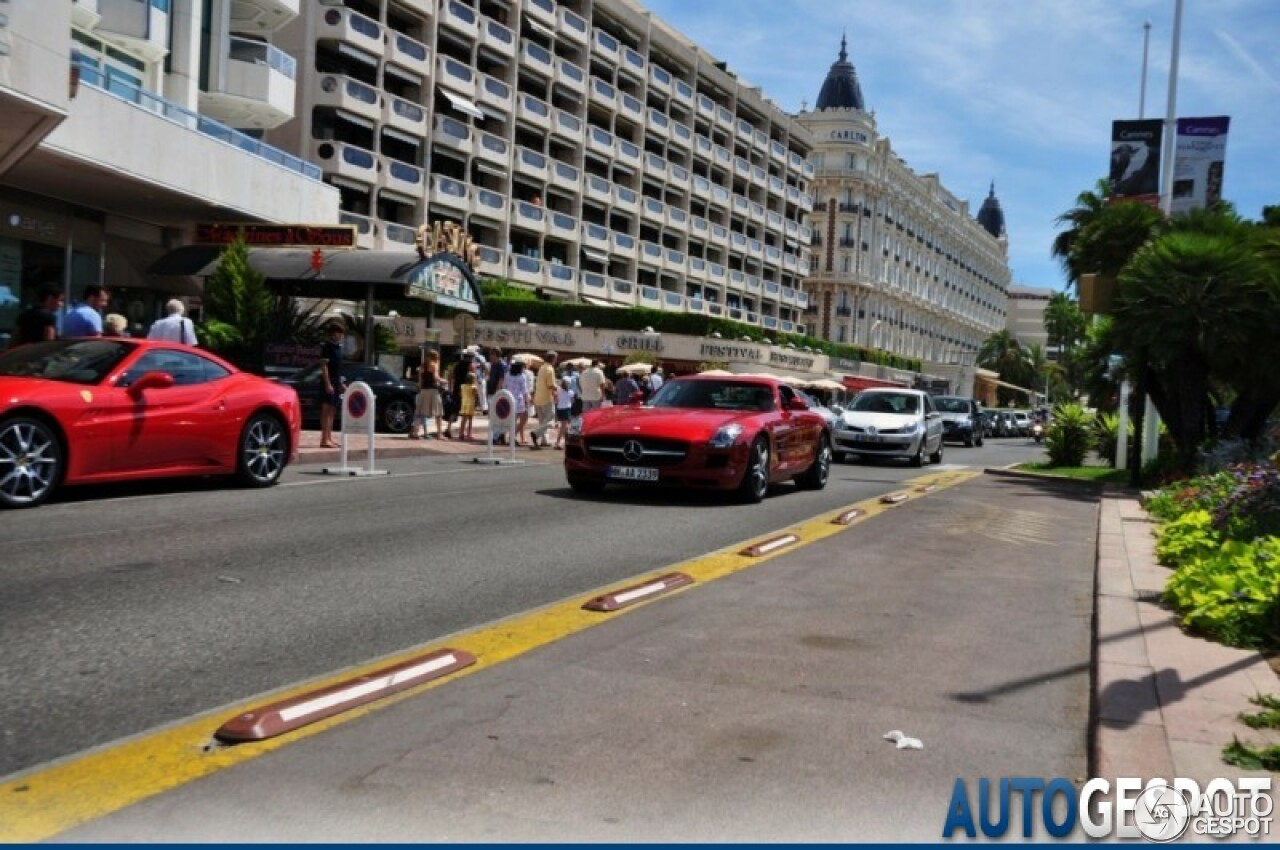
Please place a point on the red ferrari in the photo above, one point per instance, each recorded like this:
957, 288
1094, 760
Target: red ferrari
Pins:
720, 433
80, 411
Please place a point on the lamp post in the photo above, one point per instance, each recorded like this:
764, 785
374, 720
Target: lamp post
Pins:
871, 334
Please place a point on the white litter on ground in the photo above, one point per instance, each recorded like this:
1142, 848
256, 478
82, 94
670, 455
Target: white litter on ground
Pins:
903, 742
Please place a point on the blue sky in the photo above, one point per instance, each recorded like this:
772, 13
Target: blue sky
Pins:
1019, 91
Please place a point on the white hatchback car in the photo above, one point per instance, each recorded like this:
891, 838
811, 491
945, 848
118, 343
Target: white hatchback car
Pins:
885, 422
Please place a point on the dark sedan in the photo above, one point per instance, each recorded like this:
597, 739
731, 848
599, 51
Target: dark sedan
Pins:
395, 397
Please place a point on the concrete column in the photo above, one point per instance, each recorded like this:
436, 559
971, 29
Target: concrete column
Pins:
182, 83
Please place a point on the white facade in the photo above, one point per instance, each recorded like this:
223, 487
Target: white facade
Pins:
591, 150
1026, 315
134, 161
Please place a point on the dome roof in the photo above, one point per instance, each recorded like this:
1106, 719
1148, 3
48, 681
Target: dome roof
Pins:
841, 90
991, 216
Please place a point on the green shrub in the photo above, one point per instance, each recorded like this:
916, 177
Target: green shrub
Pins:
1186, 539
1068, 436
1103, 430
1204, 492
1231, 595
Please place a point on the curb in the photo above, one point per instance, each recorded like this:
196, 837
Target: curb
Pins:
1036, 476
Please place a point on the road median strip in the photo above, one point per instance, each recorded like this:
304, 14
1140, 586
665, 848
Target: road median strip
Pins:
59, 796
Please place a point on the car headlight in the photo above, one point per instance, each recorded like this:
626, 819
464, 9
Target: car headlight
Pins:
725, 437
575, 426
911, 427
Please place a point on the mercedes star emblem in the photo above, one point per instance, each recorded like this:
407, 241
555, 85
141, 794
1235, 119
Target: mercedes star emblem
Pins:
632, 450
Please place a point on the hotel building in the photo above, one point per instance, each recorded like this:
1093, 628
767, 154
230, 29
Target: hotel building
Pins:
126, 122
592, 151
898, 262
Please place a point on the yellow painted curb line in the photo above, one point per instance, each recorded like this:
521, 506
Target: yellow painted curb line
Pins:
77, 789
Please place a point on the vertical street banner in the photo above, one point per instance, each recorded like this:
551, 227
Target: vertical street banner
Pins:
1135, 160
1199, 155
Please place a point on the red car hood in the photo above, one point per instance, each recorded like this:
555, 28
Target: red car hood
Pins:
665, 422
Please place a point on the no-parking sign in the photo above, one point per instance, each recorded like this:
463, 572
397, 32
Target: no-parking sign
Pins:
358, 406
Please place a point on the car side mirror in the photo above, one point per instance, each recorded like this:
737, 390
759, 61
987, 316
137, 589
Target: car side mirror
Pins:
837, 410
797, 404
150, 381
934, 415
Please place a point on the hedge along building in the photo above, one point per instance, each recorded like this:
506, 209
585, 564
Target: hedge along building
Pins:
897, 262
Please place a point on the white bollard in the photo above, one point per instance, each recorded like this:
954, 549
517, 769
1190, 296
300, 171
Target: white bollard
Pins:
502, 414
359, 412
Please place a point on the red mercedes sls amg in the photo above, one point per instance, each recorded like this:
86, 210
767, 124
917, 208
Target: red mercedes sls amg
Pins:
79, 411
734, 433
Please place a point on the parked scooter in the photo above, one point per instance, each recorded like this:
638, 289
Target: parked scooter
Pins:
1037, 431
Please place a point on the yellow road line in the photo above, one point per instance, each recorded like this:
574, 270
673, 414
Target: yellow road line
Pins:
72, 791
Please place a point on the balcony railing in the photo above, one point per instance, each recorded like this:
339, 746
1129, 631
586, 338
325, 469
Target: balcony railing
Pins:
261, 53
181, 116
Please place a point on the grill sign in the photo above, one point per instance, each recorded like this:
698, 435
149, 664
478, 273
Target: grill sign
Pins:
278, 235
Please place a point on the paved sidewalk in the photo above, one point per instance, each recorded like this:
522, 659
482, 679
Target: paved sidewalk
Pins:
399, 445
1167, 702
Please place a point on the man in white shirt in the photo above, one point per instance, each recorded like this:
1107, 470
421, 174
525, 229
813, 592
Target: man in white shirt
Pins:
591, 383
655, 379
173, 327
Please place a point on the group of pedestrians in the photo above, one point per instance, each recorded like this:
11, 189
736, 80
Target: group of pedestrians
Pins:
87, 319
551, 396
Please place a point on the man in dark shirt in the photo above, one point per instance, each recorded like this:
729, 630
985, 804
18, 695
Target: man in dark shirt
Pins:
331, 357
39, 323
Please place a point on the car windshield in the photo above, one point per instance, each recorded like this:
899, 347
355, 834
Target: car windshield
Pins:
886, 403
74, 361
716, 395
952, 405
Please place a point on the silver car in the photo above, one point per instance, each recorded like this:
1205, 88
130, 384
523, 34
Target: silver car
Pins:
885, 422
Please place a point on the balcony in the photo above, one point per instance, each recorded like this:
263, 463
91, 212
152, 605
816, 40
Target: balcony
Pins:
493, 149
778, 152
536, 58
626, 199
703, 147
493, 263
650, 255
366, 237
701, 188
595, 236
706, 107
574, 28
345, 160
757, 213
339, 23
533, 112
741, 206
679, 176
722, 156
650, 297
659, 79
257, 86
85, 14
605, 46
630, 107
447, 192
452, 134
562, 226
598, 189
628, 153
633, 64
567, 126
403, 178
653, 210
600, 142
699, 227
542, 12
655, 166
717, 273
561, 278
408, 53
571, 77
777, 186
526, 270
594, 284
488, 204
405, 116
532, 164
603, 94
498, 38
677, 218
759, 177
674, 302
698, 269
529, 216
772, 255
760, 140
623, 292
460, 19
565, 177
398, 237
673, 260
745, 130
724, 118
738, 280
719, 196
682, 93
658, 125
681, 135
456, 76
349, 94
774, 221
788, 296
624, 243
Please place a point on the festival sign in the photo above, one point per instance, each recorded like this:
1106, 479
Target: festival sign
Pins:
1199, 155
1135, 160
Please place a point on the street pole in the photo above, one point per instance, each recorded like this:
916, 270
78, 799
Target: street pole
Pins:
1122, 431
1151, 420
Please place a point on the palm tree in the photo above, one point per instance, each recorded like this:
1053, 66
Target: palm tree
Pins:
1064, 321
1002, 353
1089, 204
1187, 303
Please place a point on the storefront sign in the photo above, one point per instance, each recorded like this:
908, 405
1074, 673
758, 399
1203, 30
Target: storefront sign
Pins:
639, 343
290, 355
790, 361
446, 279
845, 364
278, 235
728, 351
524, 335
848, 136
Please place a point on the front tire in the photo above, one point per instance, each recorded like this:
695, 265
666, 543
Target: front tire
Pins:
263, 451
815, 477
917, 459
31, 462
755, 481
936, 457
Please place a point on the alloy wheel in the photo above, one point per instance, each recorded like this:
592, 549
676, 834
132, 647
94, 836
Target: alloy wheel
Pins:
262, 453
30, 461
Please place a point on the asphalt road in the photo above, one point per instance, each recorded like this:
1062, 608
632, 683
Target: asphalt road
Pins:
123, 609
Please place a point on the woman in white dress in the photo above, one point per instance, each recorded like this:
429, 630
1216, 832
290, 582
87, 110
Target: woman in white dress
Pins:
517, 383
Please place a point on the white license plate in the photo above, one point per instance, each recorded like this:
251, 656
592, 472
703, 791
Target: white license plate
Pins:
873, 438
633, 473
